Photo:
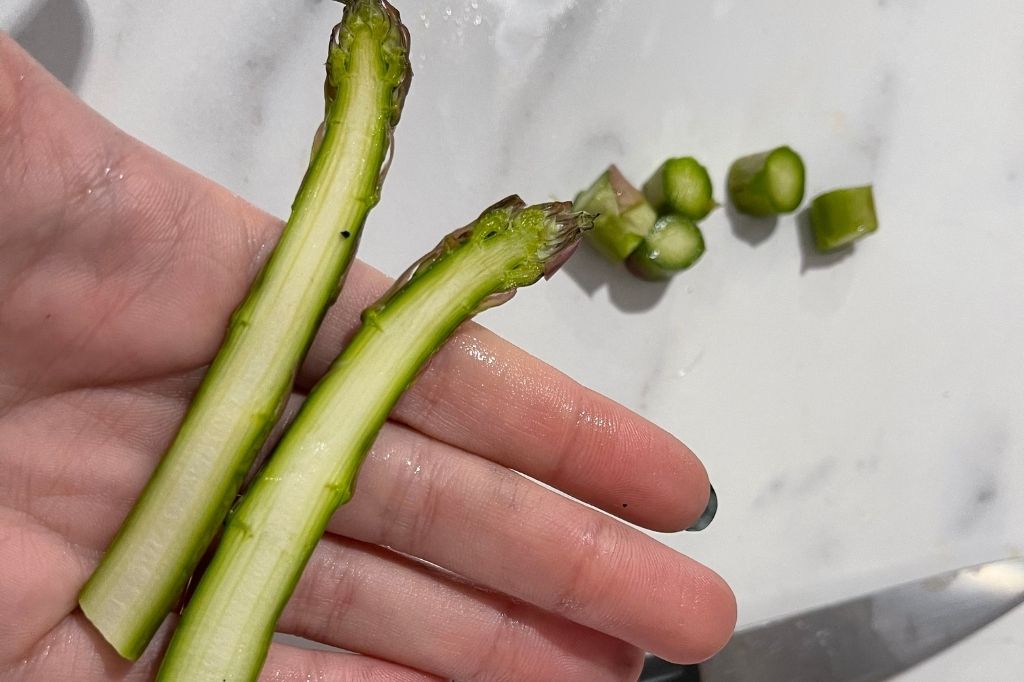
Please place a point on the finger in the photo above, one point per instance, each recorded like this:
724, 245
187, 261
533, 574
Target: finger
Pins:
286, 662
367, 599
503, 531
539, 421
39, 571
75, 651
371, 600
72, 466
74, 463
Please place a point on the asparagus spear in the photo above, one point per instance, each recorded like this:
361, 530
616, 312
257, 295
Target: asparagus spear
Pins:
156, 550
674, 244
767, 183
228, 624
683, 186
623, 215
842, 216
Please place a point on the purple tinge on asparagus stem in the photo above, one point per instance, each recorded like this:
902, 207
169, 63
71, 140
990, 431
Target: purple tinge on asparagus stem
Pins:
541, 239
569, 227
552, 265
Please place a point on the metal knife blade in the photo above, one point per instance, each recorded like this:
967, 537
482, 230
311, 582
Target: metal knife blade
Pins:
864, 639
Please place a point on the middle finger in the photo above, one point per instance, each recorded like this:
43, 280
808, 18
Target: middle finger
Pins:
497, 528
374, 601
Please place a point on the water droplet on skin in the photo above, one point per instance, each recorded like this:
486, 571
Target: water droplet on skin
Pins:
447, 12
474, 5
477, 20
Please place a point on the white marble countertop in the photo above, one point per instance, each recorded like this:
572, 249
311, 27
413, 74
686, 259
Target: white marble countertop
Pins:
862, 418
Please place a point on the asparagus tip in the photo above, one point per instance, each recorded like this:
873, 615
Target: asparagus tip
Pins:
385, 22
564, 239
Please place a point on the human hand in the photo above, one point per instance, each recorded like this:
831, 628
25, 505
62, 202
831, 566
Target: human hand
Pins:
118, 272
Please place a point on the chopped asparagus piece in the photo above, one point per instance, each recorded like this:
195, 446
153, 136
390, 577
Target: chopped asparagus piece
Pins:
842, 216
683, 186
149, 563
623, 215
768, 183
675, 243
228, 624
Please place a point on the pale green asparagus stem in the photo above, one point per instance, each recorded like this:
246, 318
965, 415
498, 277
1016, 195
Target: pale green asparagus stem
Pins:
842, 216
149, 563
767, 183
227, 626
623, 219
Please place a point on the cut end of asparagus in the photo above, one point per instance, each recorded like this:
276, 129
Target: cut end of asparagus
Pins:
682, 186
384, 23
785, 172
539, 239
674, 244
842, 216
622, 215
767, 183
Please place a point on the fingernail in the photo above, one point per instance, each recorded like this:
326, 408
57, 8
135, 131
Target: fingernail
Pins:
709, 513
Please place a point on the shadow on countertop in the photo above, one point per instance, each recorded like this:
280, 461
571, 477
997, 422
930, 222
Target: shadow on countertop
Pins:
750, 229
58, 34
755, 231
811, 258
591, 271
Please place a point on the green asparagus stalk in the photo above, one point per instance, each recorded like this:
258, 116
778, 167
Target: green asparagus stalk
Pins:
623, 215
842, 216
674, 244
156, 550
227, 626
767, 183
682, 186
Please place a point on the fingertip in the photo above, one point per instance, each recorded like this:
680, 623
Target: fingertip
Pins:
683, 497
711, 623
722, 627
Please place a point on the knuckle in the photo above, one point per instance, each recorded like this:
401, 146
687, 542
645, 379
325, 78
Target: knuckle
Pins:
413, 501
588, 430
582, 577
500, 651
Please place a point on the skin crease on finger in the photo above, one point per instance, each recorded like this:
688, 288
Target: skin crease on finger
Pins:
363, 597
177, 214
497, 528
547, 426
74, 651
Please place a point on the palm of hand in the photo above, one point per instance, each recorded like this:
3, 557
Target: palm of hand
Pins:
118, 270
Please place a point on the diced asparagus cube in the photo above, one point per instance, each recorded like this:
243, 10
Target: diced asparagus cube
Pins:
767, 183
623, 215
683, 186
674, 244
842, 216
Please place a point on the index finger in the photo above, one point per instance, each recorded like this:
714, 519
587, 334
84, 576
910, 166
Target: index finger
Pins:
484, 395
